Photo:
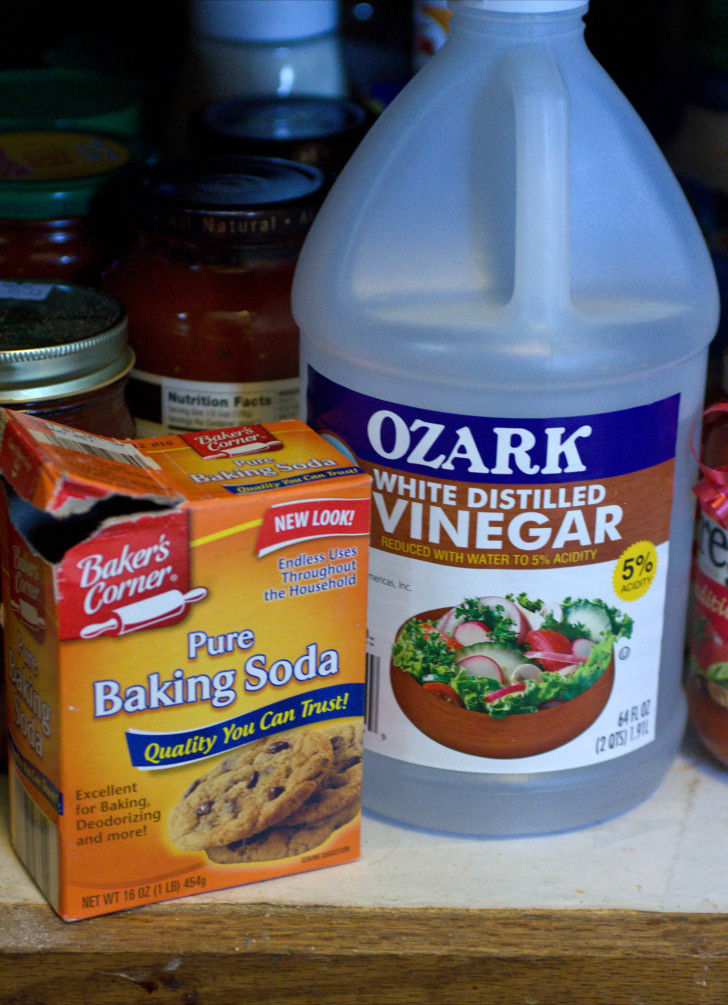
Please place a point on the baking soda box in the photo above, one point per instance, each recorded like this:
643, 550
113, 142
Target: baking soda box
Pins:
184, 627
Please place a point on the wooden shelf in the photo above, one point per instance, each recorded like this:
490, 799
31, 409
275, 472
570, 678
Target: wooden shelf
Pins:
634, 910
257, 953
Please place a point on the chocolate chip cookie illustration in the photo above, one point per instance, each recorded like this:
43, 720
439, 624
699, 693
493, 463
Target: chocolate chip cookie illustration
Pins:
251, 789
342, 783
282, 842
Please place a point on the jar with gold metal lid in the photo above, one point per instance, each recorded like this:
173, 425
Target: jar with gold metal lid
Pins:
64, 355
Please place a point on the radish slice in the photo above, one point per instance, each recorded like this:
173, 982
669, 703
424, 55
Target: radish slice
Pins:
567, 671
470, 632
565, 658
581, 648
447, 622
510, 610
481, 666
511, 689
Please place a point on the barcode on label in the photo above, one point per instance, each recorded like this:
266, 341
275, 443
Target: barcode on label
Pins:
371, 711
35, 838
122, 453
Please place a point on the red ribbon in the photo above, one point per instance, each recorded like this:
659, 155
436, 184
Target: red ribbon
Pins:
712, 491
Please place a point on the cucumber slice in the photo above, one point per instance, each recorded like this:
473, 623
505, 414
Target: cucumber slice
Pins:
594, 618
507, 657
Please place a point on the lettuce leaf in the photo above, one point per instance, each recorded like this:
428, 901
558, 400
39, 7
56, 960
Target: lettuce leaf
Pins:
420, 654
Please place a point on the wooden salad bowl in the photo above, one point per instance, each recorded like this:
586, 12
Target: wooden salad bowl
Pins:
520, 735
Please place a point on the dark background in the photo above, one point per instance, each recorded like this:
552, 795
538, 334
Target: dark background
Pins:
645, 45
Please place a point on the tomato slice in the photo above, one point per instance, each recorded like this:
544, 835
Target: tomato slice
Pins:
444, 692
547, 640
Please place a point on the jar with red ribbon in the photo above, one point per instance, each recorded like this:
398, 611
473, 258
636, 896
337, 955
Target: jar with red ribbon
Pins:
707, 666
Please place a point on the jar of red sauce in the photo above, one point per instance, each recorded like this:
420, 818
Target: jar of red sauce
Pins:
207, 287
56, 220
707, 663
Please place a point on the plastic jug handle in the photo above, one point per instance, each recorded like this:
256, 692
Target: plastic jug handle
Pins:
542, 107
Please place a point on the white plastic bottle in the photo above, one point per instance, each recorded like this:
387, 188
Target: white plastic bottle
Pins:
505, 307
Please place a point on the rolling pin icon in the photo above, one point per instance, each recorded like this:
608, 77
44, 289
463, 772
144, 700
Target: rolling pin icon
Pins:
144, 613
28, 613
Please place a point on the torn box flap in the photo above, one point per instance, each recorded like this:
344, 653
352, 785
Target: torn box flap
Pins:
65, 470
116, 569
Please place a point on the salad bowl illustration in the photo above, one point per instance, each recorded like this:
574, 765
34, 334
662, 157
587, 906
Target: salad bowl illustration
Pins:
506, 677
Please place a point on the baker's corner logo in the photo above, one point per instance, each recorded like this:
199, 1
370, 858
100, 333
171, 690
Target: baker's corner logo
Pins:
118, 583
232, 442
26, 586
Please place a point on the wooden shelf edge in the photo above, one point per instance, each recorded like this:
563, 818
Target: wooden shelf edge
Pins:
221, 953
232, 929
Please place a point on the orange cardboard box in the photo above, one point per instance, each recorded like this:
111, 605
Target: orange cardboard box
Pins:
184, 658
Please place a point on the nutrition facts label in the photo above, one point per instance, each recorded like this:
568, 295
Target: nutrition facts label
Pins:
184, 405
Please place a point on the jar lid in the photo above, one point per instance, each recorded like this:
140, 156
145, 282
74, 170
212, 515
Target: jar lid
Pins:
263, 21
59, 98
239, 200
58, 340
528, 6
311, 130
50, 174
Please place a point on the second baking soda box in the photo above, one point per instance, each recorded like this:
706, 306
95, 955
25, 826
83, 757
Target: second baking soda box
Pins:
184, 658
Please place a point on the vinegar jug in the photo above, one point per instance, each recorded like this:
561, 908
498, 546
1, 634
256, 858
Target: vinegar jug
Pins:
505, 308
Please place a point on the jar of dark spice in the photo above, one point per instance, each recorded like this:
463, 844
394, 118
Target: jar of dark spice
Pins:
57, 220
207, 290
64, 356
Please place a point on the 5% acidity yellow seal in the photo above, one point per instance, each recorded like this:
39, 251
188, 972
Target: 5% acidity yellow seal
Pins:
635, 570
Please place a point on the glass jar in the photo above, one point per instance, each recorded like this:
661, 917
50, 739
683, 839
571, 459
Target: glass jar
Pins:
286, 47
207, 290
255, 48
312, 130
706, 680
63, 98
56, 221
64, 356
